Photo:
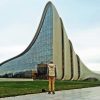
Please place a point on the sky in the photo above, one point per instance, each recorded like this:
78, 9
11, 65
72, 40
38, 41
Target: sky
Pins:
19, 20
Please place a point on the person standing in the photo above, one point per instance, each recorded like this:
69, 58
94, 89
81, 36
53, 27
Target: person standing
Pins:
51, 77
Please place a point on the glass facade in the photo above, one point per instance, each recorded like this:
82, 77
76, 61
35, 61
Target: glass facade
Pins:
41, 50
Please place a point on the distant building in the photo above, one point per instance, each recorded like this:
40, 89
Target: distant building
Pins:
23, 74
50, 43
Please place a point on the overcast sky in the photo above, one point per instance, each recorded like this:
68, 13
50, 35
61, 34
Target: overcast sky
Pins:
19, 20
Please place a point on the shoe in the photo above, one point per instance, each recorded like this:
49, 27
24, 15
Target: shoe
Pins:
53, 92
49, 92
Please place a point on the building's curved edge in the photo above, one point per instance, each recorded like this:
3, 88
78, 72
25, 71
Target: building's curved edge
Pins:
71, 58
78, 62
63, 49
75, 66
66, 55
74, 63
57, 43
86, 73
34, 38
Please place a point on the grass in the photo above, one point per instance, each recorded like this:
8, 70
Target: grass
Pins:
30, 87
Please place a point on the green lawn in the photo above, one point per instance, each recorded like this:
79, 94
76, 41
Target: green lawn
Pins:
27, 87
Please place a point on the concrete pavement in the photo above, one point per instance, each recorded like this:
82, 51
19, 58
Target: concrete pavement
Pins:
15, 79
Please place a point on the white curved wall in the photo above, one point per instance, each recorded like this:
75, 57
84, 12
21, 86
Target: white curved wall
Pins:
57, 43
75, 66
67, 59
86, 73
57, 54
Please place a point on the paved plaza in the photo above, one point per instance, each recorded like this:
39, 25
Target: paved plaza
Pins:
15, 79
75, 94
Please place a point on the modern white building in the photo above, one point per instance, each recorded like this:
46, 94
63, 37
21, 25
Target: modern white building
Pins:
50, 43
